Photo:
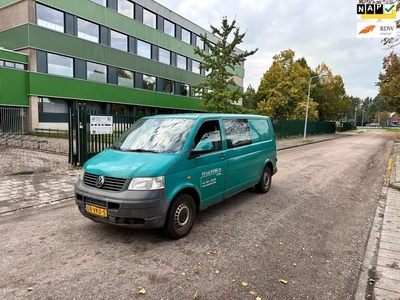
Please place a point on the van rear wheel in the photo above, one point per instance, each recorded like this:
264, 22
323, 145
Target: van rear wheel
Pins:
265, 182
180, 217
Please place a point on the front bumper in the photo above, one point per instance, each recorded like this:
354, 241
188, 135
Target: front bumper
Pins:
131, 209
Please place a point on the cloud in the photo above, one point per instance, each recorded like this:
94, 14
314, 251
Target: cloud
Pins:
318, 31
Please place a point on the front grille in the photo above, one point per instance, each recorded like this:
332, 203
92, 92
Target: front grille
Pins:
110, 183
96, 202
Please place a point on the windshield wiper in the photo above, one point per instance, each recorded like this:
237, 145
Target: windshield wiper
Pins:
142, 150
115, 148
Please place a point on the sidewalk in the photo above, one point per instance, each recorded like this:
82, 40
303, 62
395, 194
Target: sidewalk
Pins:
31, 178
387, 270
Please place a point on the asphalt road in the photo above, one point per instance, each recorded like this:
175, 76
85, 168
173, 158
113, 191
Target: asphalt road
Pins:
305, 239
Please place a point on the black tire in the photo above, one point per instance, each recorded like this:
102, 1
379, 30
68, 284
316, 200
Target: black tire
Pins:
265, 182
180, 217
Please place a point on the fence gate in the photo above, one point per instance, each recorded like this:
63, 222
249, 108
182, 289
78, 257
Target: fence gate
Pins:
13, 120
91, 131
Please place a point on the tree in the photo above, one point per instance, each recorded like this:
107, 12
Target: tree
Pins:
390, 43
283, 89
219, 89
330, 94
389, 81
249, 101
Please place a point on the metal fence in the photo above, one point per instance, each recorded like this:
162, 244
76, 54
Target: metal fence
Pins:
84, 144
288, 128
13, 120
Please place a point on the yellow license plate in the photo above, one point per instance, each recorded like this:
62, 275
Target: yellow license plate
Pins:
97, 211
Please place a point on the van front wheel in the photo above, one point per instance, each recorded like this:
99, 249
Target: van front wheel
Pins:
180, 217
265, 183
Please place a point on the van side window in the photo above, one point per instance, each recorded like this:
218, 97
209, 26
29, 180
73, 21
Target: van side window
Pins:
259, 130
209, 131
237, 132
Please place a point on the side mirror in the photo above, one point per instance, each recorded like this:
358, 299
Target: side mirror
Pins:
203, 146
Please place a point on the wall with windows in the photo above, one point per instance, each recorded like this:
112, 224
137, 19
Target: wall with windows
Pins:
118, 54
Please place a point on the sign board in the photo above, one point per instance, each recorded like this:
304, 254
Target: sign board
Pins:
377, 20
101, 124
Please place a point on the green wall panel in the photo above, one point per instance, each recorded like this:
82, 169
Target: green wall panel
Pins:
60, 87
75, 47
15, 38
13, 87
13, 56
6, 2
112, 19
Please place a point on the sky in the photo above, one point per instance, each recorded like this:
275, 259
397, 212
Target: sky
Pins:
321, 31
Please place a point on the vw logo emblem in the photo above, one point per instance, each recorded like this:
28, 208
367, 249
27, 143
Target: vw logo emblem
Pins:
100, 181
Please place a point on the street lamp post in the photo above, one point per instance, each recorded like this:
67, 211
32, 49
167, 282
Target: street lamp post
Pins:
308, 103
355, 117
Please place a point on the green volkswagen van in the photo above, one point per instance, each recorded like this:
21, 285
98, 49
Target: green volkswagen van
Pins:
165, 168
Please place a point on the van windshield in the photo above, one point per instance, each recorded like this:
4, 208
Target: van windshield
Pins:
166, 135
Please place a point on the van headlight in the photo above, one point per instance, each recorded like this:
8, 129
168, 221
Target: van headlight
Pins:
147, 183
81, 174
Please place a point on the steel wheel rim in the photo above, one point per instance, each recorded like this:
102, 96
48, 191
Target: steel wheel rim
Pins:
182, 215
266, 179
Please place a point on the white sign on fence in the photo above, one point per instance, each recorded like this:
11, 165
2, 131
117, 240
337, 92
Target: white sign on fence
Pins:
101, 124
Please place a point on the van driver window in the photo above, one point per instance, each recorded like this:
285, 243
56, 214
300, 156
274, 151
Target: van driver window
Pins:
209, 131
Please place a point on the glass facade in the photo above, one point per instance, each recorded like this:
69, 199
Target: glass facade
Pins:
49, 18
60, 65
149, 82
88, 30
119, 41
96, 72
125, 78
164, 56
143, 49
169, 28
149, 18
125, 7
181, 62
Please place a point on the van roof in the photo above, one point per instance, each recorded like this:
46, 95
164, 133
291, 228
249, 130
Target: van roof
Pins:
206, 116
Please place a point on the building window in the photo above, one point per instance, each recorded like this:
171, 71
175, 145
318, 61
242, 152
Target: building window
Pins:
96, 72
1, 63
185, 35
168, 86
185, 89
199, 42
20, 66
149, 82
60, 65
88, 31
51, 105
143, 49
125, 78
195, 67
125, 7
149, 18
169, 28
9, 64
164, 56
101, 2
119, 41
49, 18
181, 62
